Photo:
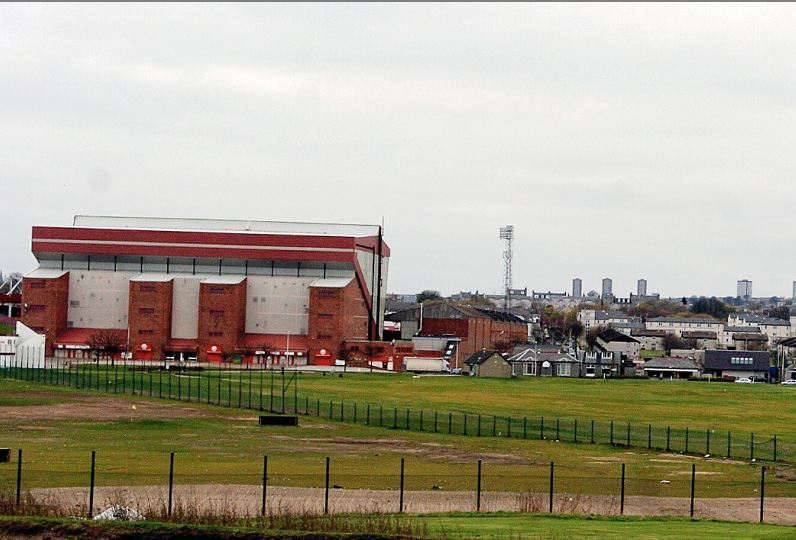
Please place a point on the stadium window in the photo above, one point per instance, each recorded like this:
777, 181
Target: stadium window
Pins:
323, 336
324, 315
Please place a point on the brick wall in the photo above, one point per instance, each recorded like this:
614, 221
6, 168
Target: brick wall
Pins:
48, 304
335, 315
222, 316
149, 316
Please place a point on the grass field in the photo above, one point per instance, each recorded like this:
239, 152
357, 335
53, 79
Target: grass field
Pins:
433, 526
59, 427
722, 419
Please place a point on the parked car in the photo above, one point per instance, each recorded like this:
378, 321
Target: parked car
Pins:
789, 382
744, 380
759, 380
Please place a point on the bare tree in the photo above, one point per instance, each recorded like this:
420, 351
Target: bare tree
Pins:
106, 342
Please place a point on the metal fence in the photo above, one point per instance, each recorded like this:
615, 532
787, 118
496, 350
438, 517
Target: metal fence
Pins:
394, 485
256, 388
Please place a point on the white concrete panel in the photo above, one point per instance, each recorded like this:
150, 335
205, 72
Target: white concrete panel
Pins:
98, 299
277, 305
185, 307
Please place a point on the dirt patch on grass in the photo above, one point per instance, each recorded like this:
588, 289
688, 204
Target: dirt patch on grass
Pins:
245, 500
431, 451
100, 408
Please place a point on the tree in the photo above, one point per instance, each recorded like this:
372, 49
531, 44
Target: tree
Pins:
106, 342
591, 336
649, 309
672, 341
780, 312
427, 295
711, 306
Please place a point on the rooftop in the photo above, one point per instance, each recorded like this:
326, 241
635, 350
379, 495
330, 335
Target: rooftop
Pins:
224, 225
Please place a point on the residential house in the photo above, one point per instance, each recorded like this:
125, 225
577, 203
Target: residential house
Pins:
651, 340
628, 348
678, 325
756, 341
697, 355
727, 334
590, 318
736, 364
703, 339
667, 367
537, 363
774, 329
603, 365
488, 364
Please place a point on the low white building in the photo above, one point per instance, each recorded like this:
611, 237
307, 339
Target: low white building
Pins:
25, 349
678, 325
774, 329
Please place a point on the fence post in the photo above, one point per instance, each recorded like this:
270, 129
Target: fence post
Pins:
628, 434
762, 490
686, 440
91, 486
367, 415
524, 427
19, 475
171, 480
707, 443
592, 431
450, 423
729, 441
612, 432
326, 490
693, 487
395, 417
508, 427
465, 423
408, 413
775, 448
550, 506
622, 492
752, 448
668, 437
435, 421
479, 425
649, 436
401, 497
421, 419
558, 429
494, 425
541, 429
478, 489
265, 483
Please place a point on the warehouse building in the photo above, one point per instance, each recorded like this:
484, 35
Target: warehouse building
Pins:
269, 292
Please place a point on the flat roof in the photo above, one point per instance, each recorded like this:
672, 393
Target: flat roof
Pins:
46, 273
225, 225
153, 277
224, 280
332, 283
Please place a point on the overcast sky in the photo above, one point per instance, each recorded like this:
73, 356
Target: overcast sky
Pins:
628, 141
